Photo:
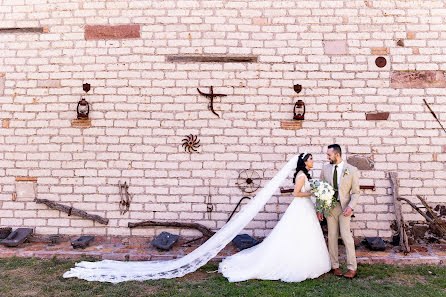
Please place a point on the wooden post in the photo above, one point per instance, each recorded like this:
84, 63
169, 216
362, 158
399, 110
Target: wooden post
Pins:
404, 242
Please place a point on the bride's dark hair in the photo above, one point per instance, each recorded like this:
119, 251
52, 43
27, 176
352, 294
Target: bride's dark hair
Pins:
301, 166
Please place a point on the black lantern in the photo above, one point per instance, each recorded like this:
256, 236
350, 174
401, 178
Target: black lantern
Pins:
299, 110
83, 108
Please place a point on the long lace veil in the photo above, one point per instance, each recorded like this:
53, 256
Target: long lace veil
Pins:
118, 271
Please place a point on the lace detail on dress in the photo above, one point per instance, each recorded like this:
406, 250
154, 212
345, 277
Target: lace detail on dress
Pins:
117, 271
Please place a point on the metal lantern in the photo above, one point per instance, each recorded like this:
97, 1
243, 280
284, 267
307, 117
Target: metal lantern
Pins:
83, 108
299, 110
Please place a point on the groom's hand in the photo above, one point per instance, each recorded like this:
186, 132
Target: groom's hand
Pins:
320, 216
348, 211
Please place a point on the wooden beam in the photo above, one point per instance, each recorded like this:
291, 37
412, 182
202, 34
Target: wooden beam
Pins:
72, 211
204, 230
24, 30
212, 59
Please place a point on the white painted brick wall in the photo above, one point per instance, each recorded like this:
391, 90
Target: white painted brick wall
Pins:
142, 107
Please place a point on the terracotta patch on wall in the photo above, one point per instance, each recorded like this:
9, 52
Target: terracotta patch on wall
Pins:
380, 51
260, 21
417, 79
291, 125
379, 116
80, 123
112, 32
25, 178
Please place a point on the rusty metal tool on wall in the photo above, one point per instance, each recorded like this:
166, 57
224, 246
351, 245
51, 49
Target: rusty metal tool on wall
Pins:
211, 96
124, 203
433, 113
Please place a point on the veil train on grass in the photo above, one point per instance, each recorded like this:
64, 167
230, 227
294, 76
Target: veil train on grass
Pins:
120, 271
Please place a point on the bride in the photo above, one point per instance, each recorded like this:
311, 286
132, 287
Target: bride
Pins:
294, 250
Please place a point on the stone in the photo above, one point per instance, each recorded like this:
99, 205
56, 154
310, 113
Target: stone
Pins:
417, 79
17, 237
82, 242
164, 241
95, 32
4, 232
362, 162
335, 47
375, 243
244, 241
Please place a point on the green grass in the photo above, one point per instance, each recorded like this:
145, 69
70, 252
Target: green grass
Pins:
36, 277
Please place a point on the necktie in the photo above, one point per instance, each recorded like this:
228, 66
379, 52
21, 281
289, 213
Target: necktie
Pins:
335, 181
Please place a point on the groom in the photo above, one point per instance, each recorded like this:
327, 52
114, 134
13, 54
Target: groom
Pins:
345, 180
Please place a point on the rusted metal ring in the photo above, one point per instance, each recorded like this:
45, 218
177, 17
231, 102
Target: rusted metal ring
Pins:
381, 62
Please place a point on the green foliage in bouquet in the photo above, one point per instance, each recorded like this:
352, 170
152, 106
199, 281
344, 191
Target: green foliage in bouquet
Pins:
324, 194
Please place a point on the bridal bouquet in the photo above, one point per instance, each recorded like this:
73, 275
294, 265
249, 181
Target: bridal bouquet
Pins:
324, 194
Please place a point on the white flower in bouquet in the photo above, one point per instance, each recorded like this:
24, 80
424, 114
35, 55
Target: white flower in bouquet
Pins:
324, 194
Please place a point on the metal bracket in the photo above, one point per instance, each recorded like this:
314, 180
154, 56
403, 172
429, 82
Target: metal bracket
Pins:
235, 208
124, 203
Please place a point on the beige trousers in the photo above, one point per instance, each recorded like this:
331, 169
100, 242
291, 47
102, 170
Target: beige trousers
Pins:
337, 221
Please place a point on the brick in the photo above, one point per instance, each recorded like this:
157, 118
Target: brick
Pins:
335, 47
49, 83
379, 116
2, 84
80, 123
143, 103
291, 125
380, 51
95, 32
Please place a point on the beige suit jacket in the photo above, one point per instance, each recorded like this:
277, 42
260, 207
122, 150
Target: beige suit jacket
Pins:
349, 186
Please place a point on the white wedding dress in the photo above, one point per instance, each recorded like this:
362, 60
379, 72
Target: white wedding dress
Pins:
299, 223
294, 250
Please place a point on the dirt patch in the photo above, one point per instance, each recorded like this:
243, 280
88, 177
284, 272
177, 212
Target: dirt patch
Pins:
151, 290
197, 276
408, 280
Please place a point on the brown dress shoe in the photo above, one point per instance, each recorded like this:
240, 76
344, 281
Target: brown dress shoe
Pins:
350, 274
337, 272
